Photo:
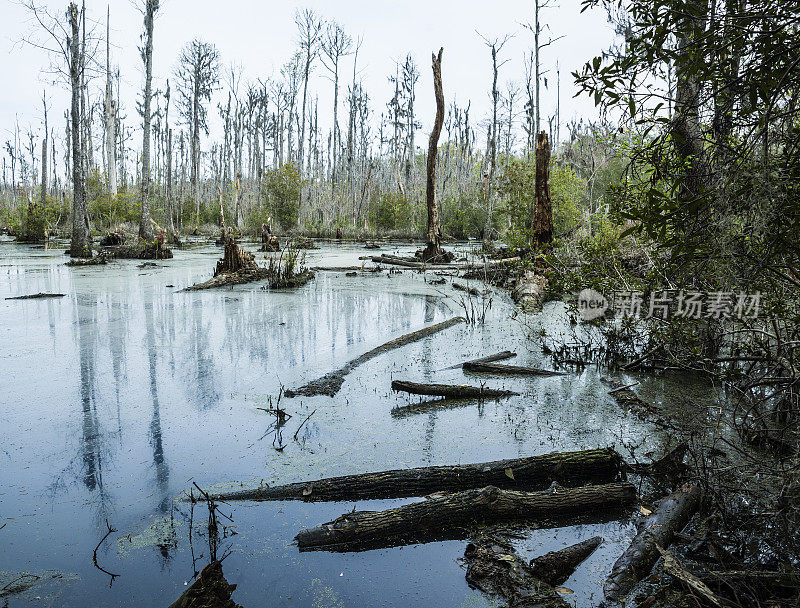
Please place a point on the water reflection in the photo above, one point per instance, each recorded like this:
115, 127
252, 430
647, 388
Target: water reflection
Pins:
86, 323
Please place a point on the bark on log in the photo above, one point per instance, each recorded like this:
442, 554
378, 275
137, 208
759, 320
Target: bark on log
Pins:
557, 566
450, 391
534, 472
330, 383
517, 370
210, 590
440, 514
658, 528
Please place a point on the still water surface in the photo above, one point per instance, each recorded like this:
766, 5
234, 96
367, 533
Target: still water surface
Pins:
115, 398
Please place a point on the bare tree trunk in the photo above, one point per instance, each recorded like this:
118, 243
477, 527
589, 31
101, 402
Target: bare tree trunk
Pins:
433, 249
145, 225
543, 212
111, 112
43, 197
81, 246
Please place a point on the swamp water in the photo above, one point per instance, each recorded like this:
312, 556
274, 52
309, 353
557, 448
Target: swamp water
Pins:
117, 397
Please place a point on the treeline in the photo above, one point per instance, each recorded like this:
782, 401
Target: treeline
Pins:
273, 163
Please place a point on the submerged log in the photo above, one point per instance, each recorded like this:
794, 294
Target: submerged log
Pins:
557, 566
494, 567
37, 296
210, 590
440, 514
330, 383
532, 472
658, 528
450, 391
501, 368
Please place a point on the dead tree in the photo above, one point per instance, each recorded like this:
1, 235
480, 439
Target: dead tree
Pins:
433, 248
335, 45
81, 246
43, 197
110, 118
149, 10
543, 210
198, 73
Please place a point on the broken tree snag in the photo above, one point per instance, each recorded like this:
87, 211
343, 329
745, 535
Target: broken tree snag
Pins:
210, 590
330, 383
658, 528
529, 290
433, 246
543, 211
438, 515
450, 391
534, 472
517, 370
557, 566
236, 267
494, 567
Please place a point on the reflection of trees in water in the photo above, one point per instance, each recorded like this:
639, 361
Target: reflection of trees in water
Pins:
292, 329
162, 469
205, 372
156, 441
86, 321
117, 340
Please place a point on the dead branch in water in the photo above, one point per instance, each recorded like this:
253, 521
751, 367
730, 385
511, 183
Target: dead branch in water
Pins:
94, 555
330, 383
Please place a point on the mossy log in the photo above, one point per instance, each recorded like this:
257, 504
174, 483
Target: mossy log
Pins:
533, 472
486, 367
658, 528
439, 514
330, 383
450, 391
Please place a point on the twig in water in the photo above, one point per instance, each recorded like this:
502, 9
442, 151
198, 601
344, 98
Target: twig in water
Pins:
94, 556
620, 388
302, 423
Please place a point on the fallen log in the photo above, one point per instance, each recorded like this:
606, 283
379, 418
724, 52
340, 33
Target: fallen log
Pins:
210, 590
533, 472
330, 383
658, 528
501, 368
494, 567
37, 296
450, 391
440, 514
557, 566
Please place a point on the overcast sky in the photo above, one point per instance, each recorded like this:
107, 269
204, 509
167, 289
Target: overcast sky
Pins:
261, 36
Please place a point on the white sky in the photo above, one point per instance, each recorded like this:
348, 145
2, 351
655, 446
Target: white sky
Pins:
261, 36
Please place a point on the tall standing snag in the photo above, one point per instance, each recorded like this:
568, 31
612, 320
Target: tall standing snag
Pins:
433, 248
